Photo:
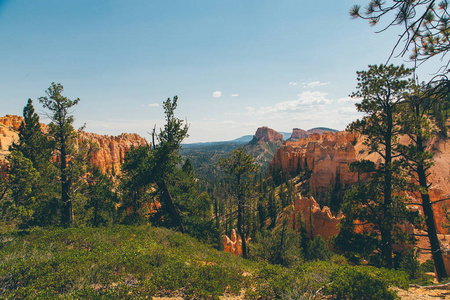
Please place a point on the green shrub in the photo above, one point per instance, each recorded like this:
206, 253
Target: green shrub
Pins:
276, 282
364, 283
416, 272
428, 266
318, 249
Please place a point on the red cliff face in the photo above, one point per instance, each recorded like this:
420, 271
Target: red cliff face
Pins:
322, 220
326, 155
299, 134
111, 149
11, 122
265, 134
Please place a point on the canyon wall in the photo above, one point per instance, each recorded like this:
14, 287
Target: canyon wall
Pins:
327, 156
318, 221
108, 157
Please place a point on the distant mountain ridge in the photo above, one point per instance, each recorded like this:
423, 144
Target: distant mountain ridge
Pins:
247, 138
262, 146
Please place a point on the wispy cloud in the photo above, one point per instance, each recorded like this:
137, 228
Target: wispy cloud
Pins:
293, 83
150, 105
234, 95
314, 84
306, 101
217, 94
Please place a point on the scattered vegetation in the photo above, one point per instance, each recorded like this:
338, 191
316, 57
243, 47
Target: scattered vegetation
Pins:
69, 231
136, 262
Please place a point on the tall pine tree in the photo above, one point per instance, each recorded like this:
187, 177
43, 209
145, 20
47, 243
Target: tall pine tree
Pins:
63, 134
381, 89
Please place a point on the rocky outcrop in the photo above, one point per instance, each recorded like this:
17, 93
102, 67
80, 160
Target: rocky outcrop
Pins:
111, 149
301, 134
317, 221
298, 134
265, 134
108, 156
327, 156
11, 122
9, 126
233, 245
264, 145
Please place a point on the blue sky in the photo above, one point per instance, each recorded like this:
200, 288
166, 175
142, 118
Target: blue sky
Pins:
235, 65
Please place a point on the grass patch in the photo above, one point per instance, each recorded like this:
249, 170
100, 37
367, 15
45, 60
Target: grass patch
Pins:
129, 262
113, 262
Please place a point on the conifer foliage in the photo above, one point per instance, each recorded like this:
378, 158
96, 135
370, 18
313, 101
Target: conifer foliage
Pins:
63, 134
382, 90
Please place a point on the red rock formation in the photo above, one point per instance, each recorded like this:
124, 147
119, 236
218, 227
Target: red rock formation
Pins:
301, 134
12, 122
233, 245
111, 149
265, 134
322, 220
298, 134
326, 155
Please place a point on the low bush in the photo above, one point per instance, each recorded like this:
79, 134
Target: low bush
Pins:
119, 262
365, 283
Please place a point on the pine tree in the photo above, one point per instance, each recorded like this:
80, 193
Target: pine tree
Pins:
63, 134
381, 89
37, 148
241, 168
417, 159
32, 142
148, 165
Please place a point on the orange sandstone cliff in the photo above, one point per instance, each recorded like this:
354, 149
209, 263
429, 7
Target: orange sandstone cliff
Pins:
111, 149
326, 155
318, 221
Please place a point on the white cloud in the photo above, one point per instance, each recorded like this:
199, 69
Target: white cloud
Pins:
153, 105
234, 95
306, 101
217, 94
347, 100
314, 84
293, 83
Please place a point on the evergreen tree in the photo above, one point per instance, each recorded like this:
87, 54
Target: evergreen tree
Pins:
146, 166
241, 169
36, 147
167, 156
381, 89
63, 134
417, 158
135, 182
425, 25
19, 196
101, 198
272, 209
32, 142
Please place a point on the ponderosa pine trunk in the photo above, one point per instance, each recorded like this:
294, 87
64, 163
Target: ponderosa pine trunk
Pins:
431, 225
166, 197
66, 211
